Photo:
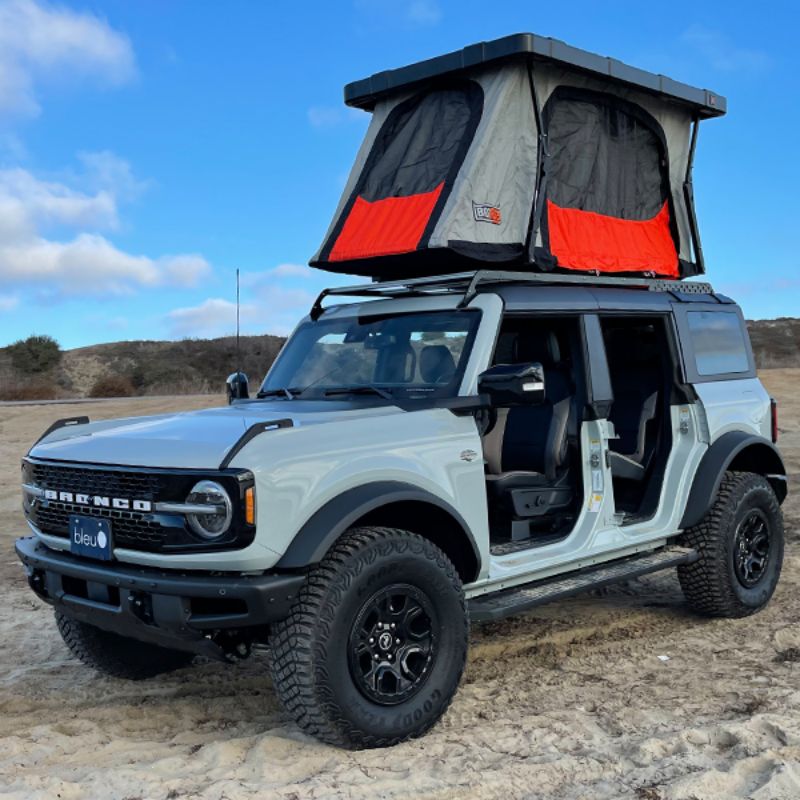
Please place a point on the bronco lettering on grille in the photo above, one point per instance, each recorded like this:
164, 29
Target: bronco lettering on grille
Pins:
98, 501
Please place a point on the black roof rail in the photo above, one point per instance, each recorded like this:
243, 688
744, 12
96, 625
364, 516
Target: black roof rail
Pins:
469, 283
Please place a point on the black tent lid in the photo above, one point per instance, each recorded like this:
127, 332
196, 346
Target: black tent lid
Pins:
365, 93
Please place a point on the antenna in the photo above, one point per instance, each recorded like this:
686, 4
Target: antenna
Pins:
238, 350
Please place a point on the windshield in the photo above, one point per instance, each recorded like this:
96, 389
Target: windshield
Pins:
404, 355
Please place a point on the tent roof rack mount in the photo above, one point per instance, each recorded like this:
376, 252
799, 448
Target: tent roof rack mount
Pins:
366, 92
469, 283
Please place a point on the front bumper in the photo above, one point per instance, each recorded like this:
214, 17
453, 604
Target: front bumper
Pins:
196, 612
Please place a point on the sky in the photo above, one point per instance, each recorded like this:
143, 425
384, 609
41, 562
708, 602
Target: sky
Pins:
150, 148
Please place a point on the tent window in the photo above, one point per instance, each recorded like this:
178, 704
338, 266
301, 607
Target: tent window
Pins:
604, 158
608, 200
409, 173
419, 143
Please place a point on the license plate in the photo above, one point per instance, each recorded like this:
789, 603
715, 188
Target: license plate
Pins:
90, 536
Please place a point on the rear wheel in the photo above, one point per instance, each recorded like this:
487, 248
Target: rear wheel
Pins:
116, 655
740, 543
376, 642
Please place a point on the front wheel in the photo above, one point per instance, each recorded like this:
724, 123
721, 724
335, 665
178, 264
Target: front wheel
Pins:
740, 544
373, 650
116, 655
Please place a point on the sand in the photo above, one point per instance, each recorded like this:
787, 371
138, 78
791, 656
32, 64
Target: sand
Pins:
571, 701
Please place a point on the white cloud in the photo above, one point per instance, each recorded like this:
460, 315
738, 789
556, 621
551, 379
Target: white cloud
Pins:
722, 53
8, 302
91, 265
106, 170
214, 317
54, 228
271, 309
87, 262
27, 202
183, 270
47, 43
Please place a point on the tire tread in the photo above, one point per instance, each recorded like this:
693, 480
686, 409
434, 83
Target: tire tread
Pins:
707, 583
115, 655
297, 653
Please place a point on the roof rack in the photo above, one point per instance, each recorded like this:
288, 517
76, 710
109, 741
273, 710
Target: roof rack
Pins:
468, 284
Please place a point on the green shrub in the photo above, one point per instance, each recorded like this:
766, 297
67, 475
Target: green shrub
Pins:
35, 355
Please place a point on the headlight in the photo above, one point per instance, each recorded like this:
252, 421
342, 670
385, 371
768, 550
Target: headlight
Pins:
217, 521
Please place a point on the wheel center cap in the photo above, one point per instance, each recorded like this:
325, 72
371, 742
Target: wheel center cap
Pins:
385, 641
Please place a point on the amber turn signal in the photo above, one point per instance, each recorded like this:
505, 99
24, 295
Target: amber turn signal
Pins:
250, 506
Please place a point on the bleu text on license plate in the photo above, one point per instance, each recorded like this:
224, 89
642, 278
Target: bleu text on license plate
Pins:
90, 536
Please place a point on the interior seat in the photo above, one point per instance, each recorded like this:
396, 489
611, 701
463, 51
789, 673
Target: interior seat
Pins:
436, 364
637, 386
526, 451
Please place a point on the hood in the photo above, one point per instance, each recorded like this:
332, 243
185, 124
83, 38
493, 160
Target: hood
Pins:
191, 440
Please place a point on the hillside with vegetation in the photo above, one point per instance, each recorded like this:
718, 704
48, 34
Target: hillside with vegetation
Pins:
37, 369
125, 369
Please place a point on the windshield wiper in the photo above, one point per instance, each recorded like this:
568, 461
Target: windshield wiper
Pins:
289, 394
367, 389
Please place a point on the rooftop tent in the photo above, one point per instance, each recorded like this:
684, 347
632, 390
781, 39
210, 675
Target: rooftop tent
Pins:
522, 151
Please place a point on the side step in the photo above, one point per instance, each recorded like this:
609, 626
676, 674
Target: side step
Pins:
522, 598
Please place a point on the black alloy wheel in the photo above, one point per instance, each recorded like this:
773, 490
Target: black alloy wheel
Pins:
751, 548
392, 644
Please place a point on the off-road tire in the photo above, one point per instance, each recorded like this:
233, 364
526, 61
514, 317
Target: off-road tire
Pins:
311, 650
117, 655
711, 585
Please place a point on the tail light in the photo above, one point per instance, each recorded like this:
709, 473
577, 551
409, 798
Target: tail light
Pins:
773, 403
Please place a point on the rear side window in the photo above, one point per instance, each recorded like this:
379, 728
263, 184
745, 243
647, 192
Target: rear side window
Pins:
718, 342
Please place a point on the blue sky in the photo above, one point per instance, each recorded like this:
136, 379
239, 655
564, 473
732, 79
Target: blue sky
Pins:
148, 149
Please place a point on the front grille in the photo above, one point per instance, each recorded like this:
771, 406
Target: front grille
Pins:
130, 529
114, 483
151, 531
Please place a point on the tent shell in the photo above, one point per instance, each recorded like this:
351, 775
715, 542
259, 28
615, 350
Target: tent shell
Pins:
518, 76
702, 103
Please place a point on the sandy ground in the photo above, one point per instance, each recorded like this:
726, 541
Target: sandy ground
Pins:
571, 701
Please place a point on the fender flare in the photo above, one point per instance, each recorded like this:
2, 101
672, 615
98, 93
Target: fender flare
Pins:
330, 521
764, 459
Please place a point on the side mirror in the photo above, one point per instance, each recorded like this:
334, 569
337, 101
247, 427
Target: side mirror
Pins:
513, 384
237, 387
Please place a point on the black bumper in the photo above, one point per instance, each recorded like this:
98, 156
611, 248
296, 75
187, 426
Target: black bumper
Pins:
185, 611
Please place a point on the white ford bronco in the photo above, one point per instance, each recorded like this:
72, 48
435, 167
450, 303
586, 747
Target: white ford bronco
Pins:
443, 450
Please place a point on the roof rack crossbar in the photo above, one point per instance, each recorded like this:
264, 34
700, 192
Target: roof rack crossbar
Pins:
469, 283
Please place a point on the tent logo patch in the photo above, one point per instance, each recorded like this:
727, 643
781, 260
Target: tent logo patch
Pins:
483, 212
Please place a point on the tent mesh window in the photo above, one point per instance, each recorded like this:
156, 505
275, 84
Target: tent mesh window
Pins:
408, 174
608, 206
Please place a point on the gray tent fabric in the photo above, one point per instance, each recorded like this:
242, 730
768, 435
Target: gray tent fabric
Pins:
534, 161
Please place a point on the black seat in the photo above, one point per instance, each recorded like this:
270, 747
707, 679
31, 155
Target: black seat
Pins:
637, 386
526, 450
436, 364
